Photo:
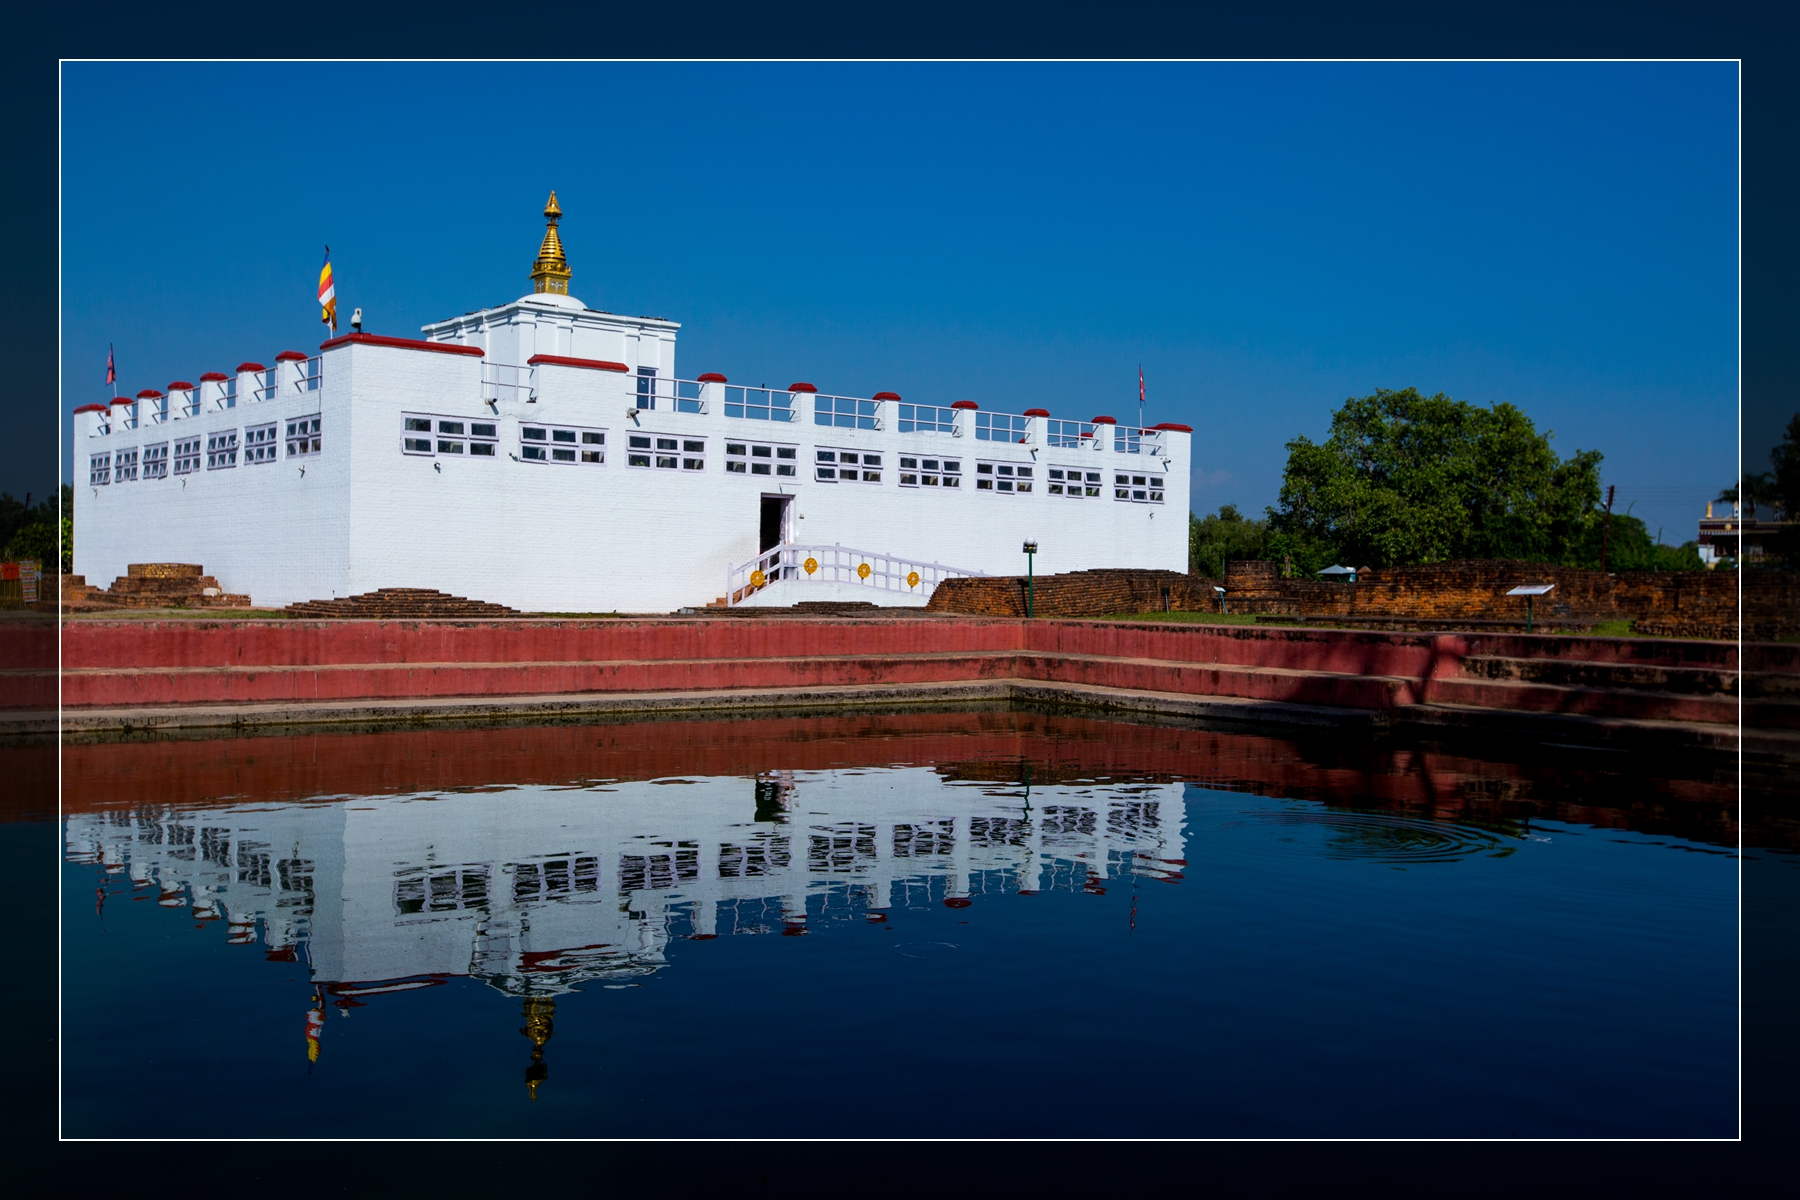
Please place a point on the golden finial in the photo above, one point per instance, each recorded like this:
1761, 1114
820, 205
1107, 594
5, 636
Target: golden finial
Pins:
539, 1022
551, 271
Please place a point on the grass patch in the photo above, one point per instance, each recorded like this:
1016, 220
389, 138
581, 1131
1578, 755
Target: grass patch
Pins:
1611, 629
1197, 618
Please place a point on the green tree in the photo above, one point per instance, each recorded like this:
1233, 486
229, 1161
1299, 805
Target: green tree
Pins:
33, 532
1406, 478
1223, 535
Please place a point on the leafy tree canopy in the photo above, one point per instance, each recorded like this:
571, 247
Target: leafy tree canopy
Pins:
34, 532
1223, 535
1406, 478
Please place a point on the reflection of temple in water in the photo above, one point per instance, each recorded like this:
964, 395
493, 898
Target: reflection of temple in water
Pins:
536, 889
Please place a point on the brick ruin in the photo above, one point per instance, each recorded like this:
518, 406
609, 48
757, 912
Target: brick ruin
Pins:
1468, 594
151, 585
1078, 594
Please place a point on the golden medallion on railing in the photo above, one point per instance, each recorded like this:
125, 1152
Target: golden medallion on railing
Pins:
862, 572
912, 579
811, 565
757, 579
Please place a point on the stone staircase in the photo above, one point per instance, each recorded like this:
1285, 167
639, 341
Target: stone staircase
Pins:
388, 604
1630, 679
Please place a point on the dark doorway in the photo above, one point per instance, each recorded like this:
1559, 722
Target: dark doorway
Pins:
774, 514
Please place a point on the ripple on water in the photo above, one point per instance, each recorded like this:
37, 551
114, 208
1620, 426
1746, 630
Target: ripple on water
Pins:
1387, 837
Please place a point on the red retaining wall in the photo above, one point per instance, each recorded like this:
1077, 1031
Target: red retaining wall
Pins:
153, 664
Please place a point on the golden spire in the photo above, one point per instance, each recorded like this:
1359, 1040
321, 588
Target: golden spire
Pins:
551, 271
539, 1023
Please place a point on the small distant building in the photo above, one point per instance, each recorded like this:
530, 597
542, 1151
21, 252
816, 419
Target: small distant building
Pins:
549, 456
1738, 536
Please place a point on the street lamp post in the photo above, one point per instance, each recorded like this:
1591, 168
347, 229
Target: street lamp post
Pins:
1030, 581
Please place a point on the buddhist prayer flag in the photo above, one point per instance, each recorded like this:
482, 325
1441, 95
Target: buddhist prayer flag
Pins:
327, 294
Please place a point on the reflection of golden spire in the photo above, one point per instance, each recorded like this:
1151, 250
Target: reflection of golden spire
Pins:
315, 1025
538, 1024
551, 271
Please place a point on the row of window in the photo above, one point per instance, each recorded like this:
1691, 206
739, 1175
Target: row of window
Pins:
260, 444
434, 435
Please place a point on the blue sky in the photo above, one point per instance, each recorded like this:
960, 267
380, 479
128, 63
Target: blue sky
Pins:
1265, 239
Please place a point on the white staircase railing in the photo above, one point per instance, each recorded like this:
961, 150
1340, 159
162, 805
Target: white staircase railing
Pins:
889, 573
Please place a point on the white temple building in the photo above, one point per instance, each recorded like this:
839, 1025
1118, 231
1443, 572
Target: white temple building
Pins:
551, 457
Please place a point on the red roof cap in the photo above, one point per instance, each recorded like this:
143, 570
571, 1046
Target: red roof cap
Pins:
181, 385
957, 902
968, 404
290, 356
558, 360
375, 339
215, 376
885, 396
251, 367
1171, 425
146, 394
1037, 412
127, 400
1103, 421
711, 377
801, 387
91, 408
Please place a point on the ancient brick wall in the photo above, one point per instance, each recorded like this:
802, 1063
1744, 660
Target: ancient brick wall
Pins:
1663, 603
1077, 594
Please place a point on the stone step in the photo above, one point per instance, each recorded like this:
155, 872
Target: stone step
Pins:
1516, 696
129, 687
1691, 681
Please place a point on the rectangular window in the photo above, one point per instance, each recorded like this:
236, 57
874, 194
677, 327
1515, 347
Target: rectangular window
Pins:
1000, 427
1138, 489
187, 456
844, 412
99, 469
418, 435
662, 453
846, 466
303, 436
259, 443
569, 445
753, 458
1010, 478
221, 450
156, 461
1067, 481
1069, 435
125, 464
917, 418
930, 472
759, 404
646, 387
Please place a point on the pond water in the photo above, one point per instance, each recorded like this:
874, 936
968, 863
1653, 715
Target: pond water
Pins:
975, 923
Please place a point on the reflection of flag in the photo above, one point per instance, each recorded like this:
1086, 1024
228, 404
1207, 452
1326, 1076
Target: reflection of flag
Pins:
112, 376
327, 294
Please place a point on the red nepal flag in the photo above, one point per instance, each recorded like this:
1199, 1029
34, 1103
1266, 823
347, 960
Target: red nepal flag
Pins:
112, 376
1140, 384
